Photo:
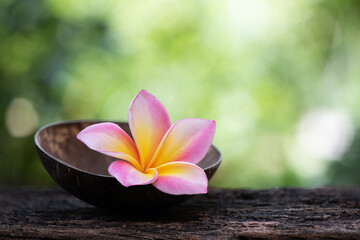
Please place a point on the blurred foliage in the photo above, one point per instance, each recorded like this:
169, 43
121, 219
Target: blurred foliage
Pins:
346, 172
259, 68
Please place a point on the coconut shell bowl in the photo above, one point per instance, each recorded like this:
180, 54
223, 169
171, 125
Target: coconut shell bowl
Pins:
84, 172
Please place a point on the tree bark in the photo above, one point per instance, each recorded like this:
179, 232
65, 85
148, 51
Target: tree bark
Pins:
285, 213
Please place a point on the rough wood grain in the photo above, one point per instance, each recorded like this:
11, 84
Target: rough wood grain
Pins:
327, 213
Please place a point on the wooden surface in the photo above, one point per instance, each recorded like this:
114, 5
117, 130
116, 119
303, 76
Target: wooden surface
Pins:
328, 213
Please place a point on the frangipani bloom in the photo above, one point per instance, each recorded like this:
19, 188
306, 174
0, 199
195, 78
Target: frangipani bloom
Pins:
160, 154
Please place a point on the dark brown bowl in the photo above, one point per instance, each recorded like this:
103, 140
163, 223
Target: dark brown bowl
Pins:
83, 172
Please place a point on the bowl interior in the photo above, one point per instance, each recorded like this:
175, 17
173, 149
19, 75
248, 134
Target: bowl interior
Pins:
59, 141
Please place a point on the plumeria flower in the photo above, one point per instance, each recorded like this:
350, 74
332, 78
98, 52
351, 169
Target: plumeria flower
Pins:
159, 154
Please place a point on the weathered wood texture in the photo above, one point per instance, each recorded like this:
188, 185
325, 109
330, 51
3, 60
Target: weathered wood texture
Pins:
327, 213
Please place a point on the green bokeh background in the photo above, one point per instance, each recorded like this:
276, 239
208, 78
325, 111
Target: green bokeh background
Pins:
281, 78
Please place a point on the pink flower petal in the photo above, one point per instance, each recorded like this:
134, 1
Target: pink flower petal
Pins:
188, 140
149, 121
128, 175
108, 138
179, 178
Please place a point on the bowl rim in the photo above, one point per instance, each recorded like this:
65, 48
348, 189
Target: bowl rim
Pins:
218, 161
